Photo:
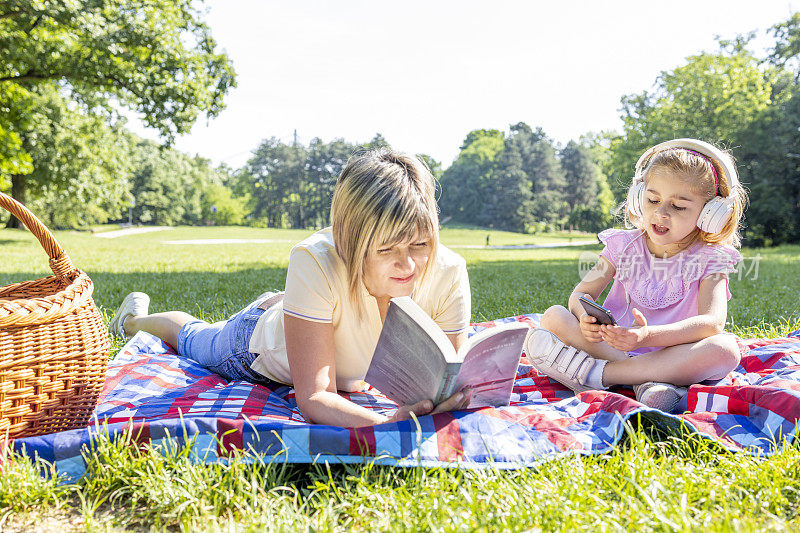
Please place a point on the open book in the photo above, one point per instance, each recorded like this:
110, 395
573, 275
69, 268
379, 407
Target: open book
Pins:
414, 360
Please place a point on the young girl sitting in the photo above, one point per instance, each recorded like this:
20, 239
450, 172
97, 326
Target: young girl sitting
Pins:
670, 292
319, 336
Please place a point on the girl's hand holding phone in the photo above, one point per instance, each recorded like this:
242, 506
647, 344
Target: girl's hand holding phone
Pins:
626, 339
590, 328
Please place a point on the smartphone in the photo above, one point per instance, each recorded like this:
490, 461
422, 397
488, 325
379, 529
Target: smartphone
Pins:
596, 310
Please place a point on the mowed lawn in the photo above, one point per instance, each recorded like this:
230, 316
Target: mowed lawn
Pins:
651, 482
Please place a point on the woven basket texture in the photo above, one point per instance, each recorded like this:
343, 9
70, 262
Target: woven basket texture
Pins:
53, 344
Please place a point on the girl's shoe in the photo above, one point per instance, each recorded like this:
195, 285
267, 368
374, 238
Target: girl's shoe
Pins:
134, 304
662, 396
569, 366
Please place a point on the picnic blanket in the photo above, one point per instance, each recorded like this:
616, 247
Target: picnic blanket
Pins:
155, 394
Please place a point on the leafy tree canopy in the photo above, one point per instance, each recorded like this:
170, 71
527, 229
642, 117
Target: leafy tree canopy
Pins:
714, 96
79, 162
155, 57
464, 182
86, 58
581, 174
787, 41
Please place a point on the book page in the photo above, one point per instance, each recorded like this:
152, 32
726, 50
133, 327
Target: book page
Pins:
449, 383
490, 365
407, 365
431, 328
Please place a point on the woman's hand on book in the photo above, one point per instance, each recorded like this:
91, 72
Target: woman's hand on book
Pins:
459, 400
404, 411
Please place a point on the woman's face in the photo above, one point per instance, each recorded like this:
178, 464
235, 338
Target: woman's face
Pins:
394, 270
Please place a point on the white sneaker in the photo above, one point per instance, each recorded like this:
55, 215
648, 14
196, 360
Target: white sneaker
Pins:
662, 396
134, 304
566, 364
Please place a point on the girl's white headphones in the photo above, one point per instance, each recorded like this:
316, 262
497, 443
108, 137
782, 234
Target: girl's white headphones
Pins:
718, 210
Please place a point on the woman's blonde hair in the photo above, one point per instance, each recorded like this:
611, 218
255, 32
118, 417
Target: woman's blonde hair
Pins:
382, 197
697, 171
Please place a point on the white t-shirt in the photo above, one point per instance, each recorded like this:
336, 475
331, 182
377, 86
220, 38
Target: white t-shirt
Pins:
317, 290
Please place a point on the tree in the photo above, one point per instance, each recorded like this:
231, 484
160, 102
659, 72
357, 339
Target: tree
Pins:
433, 165
276, 175
379, 141
15, 108
220, 207
588, 195
156, 58
324, 163
464, 184
168, 185
599, 147
581, 175
544, 171
82, 163
769, 157
508, 202
713, 97
769, 162
786, 51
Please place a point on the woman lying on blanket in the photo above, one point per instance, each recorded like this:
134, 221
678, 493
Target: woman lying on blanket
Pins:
670, 292
320, 334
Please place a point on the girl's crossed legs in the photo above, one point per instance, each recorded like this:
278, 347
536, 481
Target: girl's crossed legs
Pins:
684, 364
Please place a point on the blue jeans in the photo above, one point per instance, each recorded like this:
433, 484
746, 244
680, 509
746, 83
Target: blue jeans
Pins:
224, 347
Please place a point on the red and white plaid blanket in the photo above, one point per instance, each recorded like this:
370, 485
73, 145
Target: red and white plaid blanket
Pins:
155, 394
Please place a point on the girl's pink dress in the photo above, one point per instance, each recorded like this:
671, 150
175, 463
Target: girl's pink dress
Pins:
665, 290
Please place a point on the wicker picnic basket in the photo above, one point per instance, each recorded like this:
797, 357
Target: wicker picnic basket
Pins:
53, 344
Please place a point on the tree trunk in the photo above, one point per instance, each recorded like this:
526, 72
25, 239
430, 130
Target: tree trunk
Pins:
18, 194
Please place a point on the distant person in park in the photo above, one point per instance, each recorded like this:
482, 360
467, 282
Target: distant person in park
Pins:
319, 336
670, 284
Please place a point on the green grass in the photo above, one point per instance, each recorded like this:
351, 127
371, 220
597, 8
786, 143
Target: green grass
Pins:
651, 482
457, 235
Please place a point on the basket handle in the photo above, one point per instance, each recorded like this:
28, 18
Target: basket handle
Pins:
60, 263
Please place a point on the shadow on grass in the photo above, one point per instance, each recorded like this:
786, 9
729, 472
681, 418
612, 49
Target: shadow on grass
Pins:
207, 295
500, 287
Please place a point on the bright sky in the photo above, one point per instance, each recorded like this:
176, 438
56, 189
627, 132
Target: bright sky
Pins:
425, 73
